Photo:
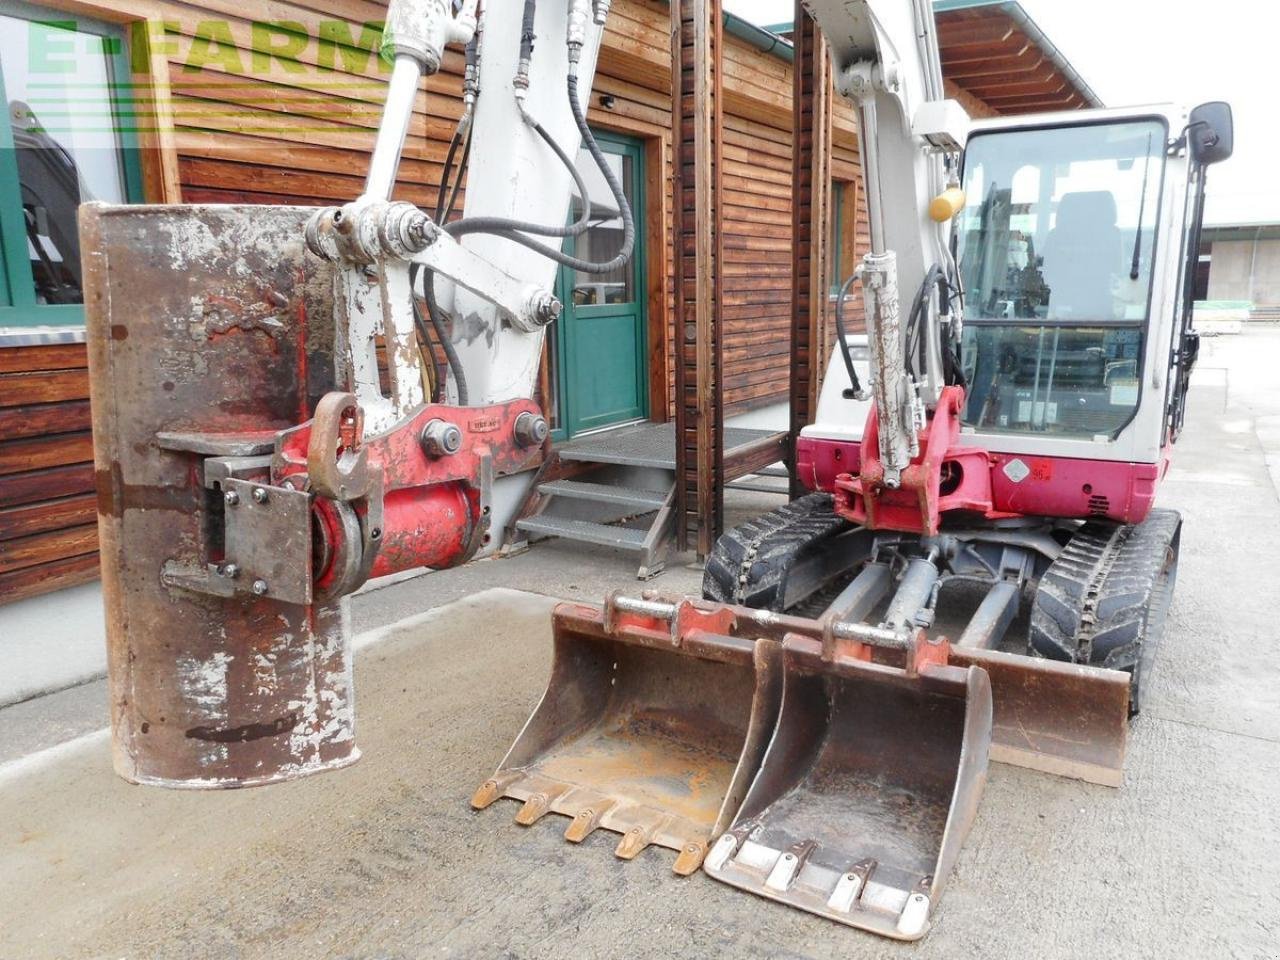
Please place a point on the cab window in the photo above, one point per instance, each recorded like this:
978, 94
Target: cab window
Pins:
1056, 251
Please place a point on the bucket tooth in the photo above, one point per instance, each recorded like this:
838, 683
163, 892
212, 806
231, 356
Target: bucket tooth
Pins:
691, 856
720, 854
850, 886
635, 840
492, 789
586, 820
538, 806
788, 866
653, 726
914, 919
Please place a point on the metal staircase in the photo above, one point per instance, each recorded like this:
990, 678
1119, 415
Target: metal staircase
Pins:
616, 489
627, 508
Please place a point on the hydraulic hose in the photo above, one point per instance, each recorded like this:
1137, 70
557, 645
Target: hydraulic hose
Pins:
442, 333
447, 176
457, 182
624, 208
431, 388
854, 385
527, 35
916, 318
502, 225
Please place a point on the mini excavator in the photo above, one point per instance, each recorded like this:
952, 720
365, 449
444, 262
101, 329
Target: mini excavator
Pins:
270, 433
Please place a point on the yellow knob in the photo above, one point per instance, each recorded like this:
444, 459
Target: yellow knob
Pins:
946, 205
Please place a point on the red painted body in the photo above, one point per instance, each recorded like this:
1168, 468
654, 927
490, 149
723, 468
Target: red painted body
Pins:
425, 527
432, 514
917, 505
1060, 487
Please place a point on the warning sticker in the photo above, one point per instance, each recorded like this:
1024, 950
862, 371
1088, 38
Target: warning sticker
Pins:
1016, 470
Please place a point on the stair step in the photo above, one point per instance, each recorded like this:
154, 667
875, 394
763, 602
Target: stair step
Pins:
583, 531
642, 500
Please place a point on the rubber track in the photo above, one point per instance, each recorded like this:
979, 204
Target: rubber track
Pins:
750, 563
1094, 603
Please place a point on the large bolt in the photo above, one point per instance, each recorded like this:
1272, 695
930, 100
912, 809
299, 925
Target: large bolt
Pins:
440, 438
259, 495
531, 429
549, 309
422, 231
259, 588
231, 498
230, 571
540, 309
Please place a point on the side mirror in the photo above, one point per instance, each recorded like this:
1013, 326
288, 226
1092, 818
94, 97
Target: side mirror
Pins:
1212, 133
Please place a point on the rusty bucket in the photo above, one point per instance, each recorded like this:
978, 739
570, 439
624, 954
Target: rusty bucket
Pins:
210, 328
652, 725
867, 790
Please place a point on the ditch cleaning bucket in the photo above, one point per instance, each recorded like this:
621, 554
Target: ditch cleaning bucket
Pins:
868, 788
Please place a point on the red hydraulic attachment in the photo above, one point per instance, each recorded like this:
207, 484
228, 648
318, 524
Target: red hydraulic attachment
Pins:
944, 476
415, 496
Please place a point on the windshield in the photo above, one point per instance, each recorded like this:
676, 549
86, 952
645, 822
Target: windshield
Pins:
1061, 222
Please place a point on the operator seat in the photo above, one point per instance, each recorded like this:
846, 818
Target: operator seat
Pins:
1082, 257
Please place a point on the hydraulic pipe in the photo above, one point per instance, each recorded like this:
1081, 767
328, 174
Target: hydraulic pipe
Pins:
402, 93
912, 595
868, 131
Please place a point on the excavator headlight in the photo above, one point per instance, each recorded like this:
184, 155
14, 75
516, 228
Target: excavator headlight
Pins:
943, 123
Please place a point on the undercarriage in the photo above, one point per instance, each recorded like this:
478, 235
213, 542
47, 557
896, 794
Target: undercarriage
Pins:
1085, 592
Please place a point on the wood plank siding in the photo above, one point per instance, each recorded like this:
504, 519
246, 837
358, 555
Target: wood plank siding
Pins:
48, 511
285, 112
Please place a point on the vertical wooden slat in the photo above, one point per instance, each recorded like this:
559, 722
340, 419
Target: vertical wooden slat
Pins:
657, 232
697, 133
161, 179
811, 205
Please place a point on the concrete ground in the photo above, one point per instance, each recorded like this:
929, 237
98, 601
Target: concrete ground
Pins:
387, 860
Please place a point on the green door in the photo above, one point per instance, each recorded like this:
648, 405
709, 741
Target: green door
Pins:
598, 349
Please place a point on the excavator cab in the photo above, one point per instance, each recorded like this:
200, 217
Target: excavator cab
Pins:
1058, 251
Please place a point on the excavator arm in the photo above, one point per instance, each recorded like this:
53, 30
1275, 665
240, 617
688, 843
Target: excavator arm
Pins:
885, 59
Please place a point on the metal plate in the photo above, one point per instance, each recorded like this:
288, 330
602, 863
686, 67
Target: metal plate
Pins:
869, 786
268, 537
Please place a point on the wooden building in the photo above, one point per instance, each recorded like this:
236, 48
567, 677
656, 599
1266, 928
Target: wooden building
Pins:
160, 101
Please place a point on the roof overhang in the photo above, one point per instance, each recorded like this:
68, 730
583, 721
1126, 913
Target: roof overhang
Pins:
1241, 231
993, 50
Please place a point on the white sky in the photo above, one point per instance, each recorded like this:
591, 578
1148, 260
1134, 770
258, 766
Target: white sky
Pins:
1151, 51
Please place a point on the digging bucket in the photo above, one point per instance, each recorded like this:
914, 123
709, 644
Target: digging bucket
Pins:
652, 725
868, 787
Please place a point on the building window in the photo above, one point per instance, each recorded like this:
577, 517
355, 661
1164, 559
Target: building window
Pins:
842, 255
65, 82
